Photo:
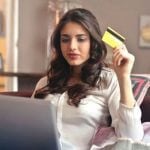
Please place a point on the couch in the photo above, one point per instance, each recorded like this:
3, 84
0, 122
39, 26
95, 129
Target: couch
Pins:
145, 107
141, 90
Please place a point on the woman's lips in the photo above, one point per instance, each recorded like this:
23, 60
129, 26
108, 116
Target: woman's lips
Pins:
73, 56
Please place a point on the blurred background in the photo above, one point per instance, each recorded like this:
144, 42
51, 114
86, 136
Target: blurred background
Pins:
26, 24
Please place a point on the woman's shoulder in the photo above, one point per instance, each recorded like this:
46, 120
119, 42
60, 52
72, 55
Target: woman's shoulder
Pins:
108, 76
42, 82
107, 72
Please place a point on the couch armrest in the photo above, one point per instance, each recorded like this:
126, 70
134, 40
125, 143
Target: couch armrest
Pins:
21, 94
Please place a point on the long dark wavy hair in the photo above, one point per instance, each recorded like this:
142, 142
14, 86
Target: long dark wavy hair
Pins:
59, 70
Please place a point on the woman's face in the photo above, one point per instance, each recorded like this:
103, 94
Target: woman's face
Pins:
75, 44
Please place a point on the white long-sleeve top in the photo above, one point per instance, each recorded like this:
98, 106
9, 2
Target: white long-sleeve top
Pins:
77, 125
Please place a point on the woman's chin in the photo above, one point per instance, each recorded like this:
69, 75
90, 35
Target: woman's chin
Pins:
76, 63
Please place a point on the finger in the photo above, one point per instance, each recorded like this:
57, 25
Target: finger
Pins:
117, 59
117, 52
118, 55
121, 61
120, 48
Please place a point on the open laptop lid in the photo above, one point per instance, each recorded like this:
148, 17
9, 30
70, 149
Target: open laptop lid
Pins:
27, 124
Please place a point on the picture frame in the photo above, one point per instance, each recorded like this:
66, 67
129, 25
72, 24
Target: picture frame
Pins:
144, 37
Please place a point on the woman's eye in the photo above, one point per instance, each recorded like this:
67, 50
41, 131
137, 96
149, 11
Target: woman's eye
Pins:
64, 40
81, 39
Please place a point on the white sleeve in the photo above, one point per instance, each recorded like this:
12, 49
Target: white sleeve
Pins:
125, 120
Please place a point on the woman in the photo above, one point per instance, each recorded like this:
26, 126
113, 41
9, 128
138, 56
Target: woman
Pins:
83, 89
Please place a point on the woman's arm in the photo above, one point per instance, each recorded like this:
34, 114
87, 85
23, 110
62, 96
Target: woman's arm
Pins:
123, 63
125, 113
126, 120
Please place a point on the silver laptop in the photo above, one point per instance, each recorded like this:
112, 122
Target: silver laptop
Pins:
27, 124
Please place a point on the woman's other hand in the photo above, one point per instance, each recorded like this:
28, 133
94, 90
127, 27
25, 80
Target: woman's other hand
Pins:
122, 61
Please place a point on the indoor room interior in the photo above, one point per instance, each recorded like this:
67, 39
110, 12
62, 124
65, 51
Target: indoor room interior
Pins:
24, 30
26, 26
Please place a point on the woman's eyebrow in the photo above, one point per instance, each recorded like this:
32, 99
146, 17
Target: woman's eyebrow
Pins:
64, 35
82, 35
78, 35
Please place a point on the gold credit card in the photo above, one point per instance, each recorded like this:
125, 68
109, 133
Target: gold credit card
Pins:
112, 38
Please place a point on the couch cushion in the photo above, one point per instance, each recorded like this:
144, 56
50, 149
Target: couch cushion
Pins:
140, 85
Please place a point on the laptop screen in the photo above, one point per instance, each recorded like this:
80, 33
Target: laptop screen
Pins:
27, 123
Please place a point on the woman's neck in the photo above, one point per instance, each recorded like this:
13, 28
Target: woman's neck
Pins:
75, 76
76, 72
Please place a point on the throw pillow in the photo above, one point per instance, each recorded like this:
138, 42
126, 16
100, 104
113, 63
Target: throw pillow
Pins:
140, 85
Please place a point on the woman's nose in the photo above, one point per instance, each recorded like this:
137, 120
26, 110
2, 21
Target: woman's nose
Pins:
73, 44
